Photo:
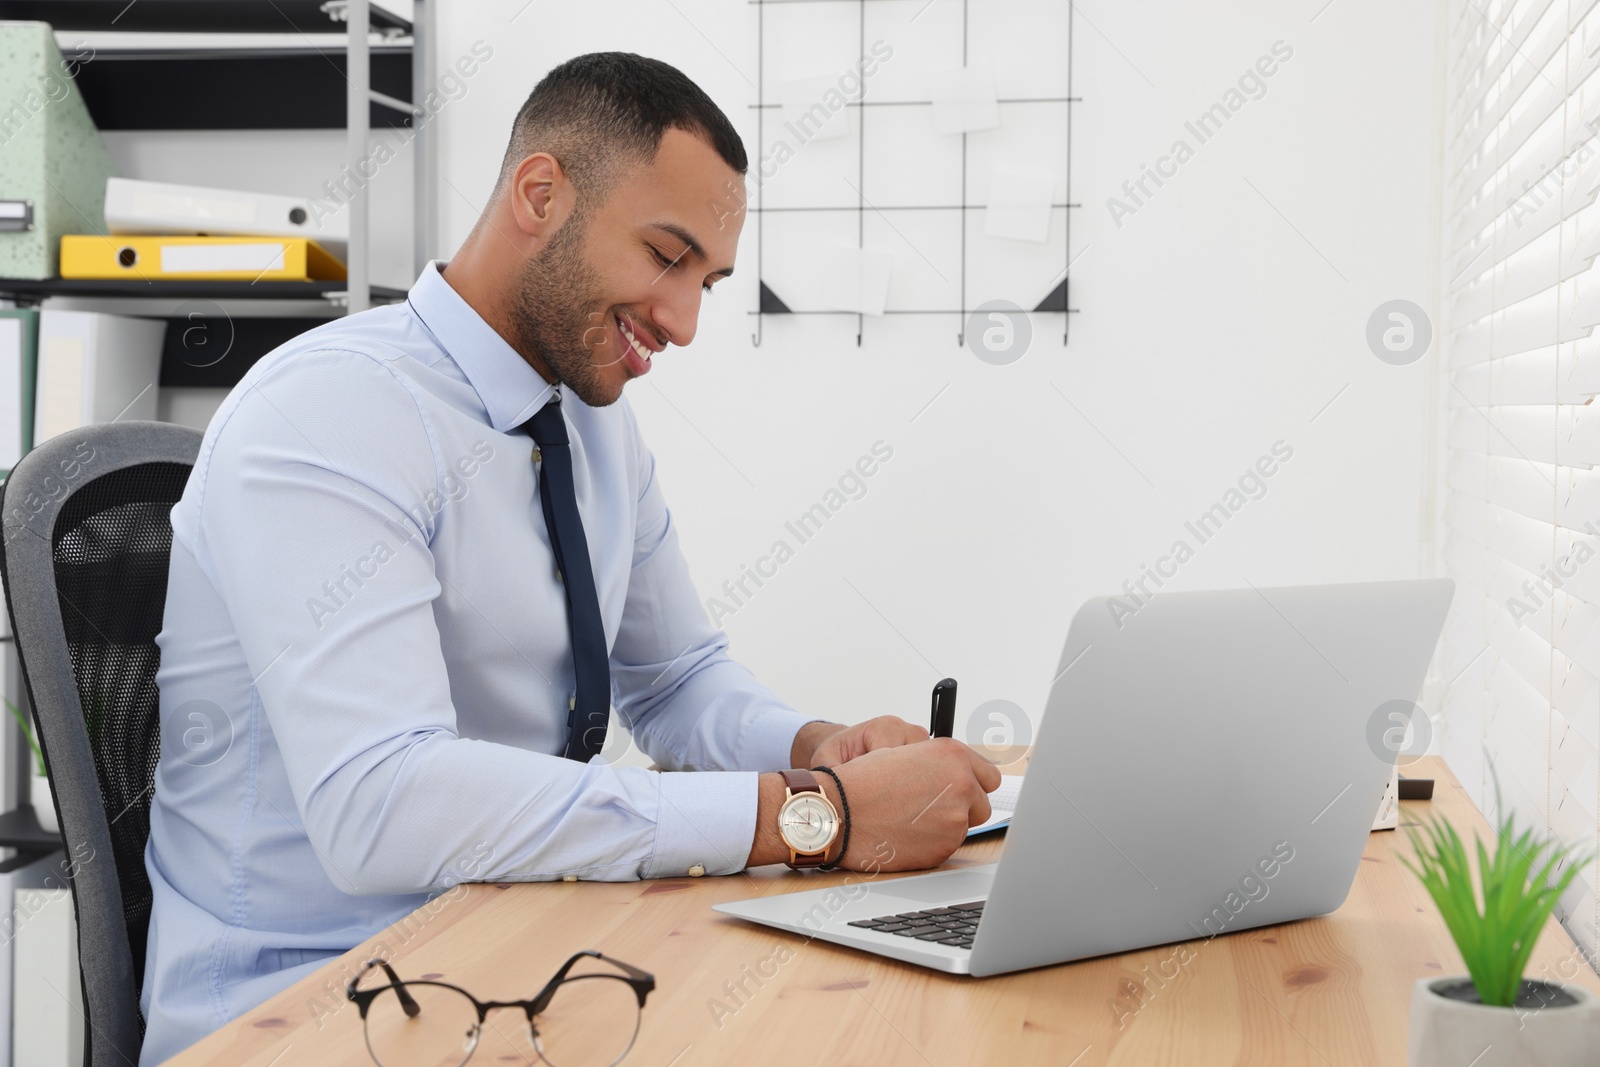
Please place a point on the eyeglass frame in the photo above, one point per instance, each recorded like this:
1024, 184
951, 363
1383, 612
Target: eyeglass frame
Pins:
642, 982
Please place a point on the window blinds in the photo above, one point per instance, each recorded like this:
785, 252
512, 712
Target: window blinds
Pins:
1521, 360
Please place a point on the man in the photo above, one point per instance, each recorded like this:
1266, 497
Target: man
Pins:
375, 655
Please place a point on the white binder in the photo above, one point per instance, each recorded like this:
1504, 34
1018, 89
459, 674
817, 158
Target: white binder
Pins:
46, 998
19, 341
135, 207
94, 368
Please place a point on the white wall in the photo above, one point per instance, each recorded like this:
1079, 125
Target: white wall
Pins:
1211, 326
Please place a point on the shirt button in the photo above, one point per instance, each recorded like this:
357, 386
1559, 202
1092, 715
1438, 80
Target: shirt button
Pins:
697, 871
537, 456
569, 878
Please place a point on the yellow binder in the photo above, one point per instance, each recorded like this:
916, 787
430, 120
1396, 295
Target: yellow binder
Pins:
246, 259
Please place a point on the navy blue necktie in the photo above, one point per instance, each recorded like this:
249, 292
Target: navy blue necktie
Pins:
591, 661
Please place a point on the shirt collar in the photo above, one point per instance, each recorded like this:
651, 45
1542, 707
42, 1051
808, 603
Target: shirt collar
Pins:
511, 390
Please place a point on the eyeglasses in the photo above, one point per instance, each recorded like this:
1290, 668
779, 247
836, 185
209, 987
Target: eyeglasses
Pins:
583, 1018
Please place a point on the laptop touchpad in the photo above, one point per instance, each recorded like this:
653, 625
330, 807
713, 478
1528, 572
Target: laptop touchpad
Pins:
960, 886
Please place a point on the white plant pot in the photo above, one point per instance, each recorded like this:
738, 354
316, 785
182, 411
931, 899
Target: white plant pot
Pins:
44, 807
1448, 1032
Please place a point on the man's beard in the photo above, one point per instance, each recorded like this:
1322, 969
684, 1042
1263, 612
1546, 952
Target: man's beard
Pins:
553, 318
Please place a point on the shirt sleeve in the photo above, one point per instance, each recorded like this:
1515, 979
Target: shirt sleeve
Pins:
315, 474
688, 704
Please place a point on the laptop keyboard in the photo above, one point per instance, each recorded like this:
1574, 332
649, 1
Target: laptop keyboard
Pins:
954, 926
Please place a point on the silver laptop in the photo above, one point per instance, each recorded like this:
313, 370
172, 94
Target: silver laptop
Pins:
1206, 763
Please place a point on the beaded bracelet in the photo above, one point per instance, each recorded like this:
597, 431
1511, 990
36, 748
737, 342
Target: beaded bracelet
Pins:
844, 844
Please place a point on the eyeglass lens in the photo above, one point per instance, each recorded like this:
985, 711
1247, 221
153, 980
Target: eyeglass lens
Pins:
590, 1022
442, 1034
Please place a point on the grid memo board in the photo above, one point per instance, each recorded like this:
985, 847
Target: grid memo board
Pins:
855, 179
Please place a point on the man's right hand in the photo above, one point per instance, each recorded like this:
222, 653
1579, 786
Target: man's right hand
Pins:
910, 806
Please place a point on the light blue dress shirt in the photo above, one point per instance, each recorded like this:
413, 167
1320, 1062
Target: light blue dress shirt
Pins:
365, 666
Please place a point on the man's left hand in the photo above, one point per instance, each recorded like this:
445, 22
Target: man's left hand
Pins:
844, 745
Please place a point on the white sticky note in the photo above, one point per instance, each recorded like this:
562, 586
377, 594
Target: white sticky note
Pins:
1019, 205
814, 109
964, 99
859, 281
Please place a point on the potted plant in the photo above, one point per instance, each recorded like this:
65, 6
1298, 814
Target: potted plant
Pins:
1493, 1016
44, 807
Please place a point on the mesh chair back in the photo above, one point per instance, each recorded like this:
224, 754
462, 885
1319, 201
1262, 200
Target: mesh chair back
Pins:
87, 537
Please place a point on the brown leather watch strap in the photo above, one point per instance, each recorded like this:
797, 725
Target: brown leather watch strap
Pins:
800, 780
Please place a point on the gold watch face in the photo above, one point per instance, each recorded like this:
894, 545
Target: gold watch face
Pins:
807, 823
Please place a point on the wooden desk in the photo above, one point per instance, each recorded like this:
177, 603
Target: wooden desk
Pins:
1330, 992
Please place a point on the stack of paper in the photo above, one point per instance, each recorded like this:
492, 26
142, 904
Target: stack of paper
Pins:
1388, 817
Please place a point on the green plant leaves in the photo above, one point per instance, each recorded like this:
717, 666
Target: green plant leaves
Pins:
1497, 941
27, 731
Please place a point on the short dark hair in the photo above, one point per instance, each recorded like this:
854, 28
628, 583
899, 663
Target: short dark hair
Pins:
600, 111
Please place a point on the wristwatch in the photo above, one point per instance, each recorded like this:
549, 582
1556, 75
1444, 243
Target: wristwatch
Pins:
806, 821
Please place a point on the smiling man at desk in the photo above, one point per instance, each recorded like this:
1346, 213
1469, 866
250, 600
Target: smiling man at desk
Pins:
376, 655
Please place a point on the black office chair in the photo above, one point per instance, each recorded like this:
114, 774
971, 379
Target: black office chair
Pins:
87, 536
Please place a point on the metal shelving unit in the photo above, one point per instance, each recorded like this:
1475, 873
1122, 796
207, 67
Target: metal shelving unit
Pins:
191, 16
176, 86
20, 830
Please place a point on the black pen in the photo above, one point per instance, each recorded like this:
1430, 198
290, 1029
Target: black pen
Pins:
944, 709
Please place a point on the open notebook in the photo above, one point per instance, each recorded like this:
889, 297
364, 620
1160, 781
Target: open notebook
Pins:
1003, 802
